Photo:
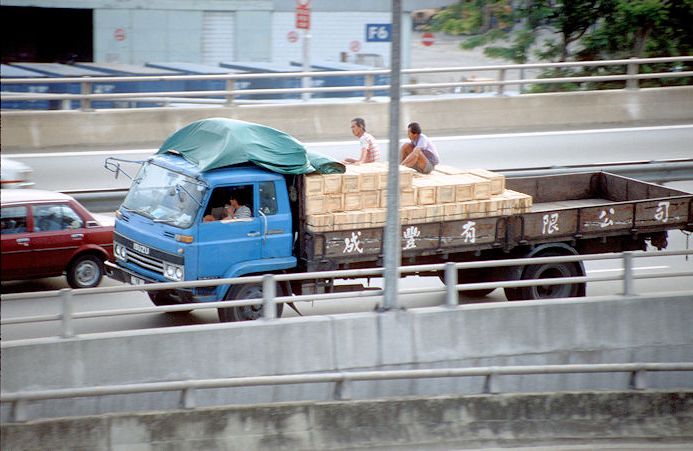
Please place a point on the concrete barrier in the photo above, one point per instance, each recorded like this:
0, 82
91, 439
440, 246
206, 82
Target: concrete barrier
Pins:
600, 330
24, 130
452, 422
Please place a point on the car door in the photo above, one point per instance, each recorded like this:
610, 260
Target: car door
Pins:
16, 243
228, 242
58, 233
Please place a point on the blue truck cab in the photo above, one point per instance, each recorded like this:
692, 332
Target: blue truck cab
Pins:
173, 226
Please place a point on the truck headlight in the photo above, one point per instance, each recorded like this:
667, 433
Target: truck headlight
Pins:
119, 251
173, 272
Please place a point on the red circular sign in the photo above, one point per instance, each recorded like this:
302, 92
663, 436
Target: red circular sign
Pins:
427, 39
119, 34
355, 46
292, 36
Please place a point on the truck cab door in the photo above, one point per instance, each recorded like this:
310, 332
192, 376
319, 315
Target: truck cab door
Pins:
224, 243
276, 216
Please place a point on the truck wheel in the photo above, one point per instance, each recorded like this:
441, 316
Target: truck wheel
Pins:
548, 271
85, 272
250, 312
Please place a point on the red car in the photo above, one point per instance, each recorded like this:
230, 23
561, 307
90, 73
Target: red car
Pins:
47, 234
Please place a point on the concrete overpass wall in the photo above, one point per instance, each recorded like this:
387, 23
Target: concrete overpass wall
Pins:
323, 121
599, 330
662, 420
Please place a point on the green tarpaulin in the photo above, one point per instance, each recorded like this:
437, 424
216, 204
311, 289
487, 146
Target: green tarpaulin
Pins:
218, 142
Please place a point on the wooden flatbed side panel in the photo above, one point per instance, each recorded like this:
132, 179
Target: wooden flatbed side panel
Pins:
554, 188
470, 232
663, 212
354, 242
623, 189
606, 218
545, 224
420, 237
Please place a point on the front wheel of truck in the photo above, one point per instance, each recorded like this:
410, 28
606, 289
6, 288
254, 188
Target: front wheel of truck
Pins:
250, 312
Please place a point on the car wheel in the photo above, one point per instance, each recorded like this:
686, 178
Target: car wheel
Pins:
85, 272
250, 312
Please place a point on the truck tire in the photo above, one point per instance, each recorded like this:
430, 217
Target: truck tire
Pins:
548, 271
247, 313
86, 271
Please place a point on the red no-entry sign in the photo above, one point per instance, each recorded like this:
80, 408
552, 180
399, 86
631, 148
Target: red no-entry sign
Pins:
427, 39
119, 34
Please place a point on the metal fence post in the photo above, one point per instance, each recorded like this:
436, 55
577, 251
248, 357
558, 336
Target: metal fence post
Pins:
501, 77
632, 69
342, 390
628, 283
369, 82
68, 308
230, 86
638, 380
491, 384
84, 104
451, 294
19, 411
269, 292
187, 400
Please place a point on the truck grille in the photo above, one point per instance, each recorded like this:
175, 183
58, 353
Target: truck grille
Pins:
145, 261
146, 257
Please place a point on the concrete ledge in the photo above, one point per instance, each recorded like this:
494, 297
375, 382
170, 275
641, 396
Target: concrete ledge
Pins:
610, 330
24, 130
406, 423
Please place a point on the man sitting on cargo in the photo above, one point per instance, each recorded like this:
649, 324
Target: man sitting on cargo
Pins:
370, 151
419, 153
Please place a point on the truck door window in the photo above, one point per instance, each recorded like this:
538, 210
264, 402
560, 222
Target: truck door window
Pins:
230, 203
268, 198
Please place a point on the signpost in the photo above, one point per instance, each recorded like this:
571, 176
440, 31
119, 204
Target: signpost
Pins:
303, 23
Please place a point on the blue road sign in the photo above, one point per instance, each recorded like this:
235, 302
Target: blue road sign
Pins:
378, 32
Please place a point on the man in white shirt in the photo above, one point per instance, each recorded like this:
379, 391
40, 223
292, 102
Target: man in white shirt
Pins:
370, 151
419, 153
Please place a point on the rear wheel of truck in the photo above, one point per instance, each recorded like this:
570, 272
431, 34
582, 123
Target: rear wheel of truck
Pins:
250, 312
549, 271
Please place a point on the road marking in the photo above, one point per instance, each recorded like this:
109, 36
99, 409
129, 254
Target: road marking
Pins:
381, 141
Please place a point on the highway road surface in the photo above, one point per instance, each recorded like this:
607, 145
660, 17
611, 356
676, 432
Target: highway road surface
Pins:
84, 168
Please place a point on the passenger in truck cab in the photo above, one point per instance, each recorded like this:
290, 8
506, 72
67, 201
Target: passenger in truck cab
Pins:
235, 208
419, 153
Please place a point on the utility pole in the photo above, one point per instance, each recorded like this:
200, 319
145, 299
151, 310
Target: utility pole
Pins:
392, 243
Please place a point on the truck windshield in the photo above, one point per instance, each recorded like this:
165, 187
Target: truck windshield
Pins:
165, 196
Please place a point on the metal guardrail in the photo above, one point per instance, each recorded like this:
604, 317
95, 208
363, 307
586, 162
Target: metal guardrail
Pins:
342, 380
269, 281
659, 171
631, 77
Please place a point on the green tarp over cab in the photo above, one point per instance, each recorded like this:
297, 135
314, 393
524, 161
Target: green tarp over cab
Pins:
218, 142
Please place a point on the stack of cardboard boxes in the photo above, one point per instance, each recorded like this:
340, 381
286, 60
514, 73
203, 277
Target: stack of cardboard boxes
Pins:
358, 198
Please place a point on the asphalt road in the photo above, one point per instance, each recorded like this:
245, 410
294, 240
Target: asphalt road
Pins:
84, 168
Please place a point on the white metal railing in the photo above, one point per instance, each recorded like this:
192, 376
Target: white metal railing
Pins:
87, 95
342, 380
67, 315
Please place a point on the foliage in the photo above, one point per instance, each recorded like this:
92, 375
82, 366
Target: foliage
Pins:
583, 30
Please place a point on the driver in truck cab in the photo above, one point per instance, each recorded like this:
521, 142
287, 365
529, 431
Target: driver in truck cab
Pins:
235, 209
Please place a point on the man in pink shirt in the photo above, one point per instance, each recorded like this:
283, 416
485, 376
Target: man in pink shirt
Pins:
419, 153
369, 148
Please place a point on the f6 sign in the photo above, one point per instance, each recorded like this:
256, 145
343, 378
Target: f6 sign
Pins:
378, 32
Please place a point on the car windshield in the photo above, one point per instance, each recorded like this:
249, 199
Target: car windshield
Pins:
165, 196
